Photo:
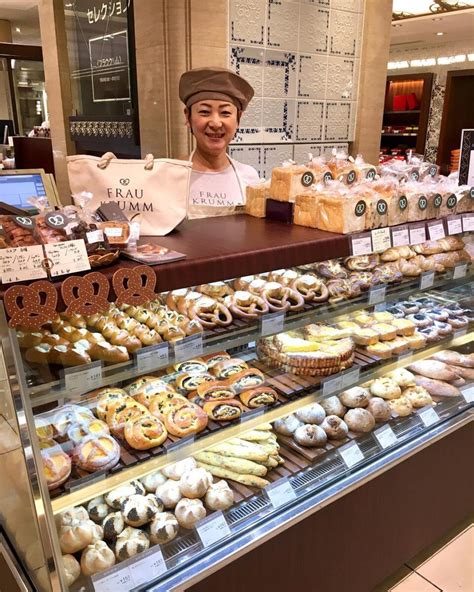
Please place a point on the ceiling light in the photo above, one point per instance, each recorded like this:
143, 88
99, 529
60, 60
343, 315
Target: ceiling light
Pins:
470, 57
17, 29
439, 33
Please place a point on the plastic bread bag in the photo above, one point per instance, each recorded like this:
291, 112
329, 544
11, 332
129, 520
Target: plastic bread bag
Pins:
256, 198
376, 214
444, 191
391, 191
50, 224
365, 171
395, 168
417, 203
306, 210
83, 224
342, 167
320, 169
290, 180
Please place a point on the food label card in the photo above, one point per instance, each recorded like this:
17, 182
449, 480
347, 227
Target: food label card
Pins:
280, 493
272, 323
361, 244
428, 416
147, 567
350, 377
427, 280
212, 529
84, 378
332, 385
468, 394
67, 257
400, 236
436, 230
22, 263
119, 579
377, 294
152, 357
351, 454
460, 271
454, 224
417, 233
385, 437
187, 348
468, 222
381, 239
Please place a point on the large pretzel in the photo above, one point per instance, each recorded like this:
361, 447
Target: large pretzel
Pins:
246, 305
209, 312
86, 295
25, 307
311, 288
281, 298
134, 286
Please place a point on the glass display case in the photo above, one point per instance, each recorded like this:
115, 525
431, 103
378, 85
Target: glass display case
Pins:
160, 434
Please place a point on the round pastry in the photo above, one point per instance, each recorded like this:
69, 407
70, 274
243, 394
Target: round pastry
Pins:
68, 415
194, 484
113, 524
115, 497
380, 409
408, 307
458, 321
78, 431
313, 413
421, 320
177, 470
443, 328
72, 569
333, 406
163, 528
402, 377
95, 453
219, 496
188, 419
418, 396
137, 510
68, 516
401, 406
77, 535
169, 493
145, 432
189, 511
437, 314
130, 542
152, 481
107, 396
356, 396
431, 334
97, 509
335, 427
310, 435
118, 417
359, 420
385, 388
286, 426
96, 558
163, 403
56, 464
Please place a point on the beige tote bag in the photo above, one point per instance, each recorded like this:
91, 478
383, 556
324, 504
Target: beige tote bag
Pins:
153, 192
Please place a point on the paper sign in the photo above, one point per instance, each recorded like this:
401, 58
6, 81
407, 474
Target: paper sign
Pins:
377, 294
213, 528
280, 493
468, 222
427, 280
381, 239
84, 378
95, 236
436, 230
351, 454
147, 567
67, 257
272, 323
361, 244
117, 581
468, 394
22, 263
400, 236
113, 231
385, 436
460, 271
417, 234
428, 416
332, 385
454, 225
187, 348
350, 377
152, 357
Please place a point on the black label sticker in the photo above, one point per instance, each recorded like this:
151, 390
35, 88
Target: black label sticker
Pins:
432, 170
438, 200
471, 193
422, 203
307, 179
360, 208
382, 207
451, 201
371, 174
328, 177
56, 220
24, 222
415, 175
351, 177
403, 202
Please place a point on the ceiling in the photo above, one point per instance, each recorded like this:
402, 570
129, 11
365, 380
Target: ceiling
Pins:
23, 15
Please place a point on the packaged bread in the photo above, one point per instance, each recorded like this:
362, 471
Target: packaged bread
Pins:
365, 171
380, 204
306, 211
417, 201
290, 180
320, 169
342, 168
256, 199
465, 199
343, 211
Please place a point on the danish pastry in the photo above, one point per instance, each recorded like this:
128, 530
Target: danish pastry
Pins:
185, 420
69, 415
96, 558
78, 431
224, 410
95, 453
131, 542
145, 432
56, 466
163, 528
259, 397
189, 511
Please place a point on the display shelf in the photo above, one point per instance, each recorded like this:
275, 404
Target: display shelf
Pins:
97, 485
239, 333
408, 112
392, 135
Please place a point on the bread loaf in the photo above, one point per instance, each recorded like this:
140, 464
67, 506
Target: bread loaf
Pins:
433, 369
344, 214
256, 199
437, 387
289, 181
306, 210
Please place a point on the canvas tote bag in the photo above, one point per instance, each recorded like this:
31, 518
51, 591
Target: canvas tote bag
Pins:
152, 191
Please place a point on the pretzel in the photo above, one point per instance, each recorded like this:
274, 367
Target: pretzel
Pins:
134, 286
246, 305
311, 288
25, 307
281, 298
209, 312
86, 295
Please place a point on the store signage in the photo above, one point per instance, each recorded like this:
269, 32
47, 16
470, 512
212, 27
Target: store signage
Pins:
351, 454
272, 323
400, 236
427, 280
332, 385
187, 348
361, 244
22, 263
152, 357
385, 437
436, 230
428, 416
417, 233
454, 224
212, 529
381, 239
109, 67
280, 493
460, 271
67, 257
83, 379
377, 294
466, 161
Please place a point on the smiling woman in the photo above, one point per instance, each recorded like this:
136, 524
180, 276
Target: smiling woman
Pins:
215, 100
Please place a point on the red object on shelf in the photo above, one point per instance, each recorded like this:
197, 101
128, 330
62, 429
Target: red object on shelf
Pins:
400, 103
412, 102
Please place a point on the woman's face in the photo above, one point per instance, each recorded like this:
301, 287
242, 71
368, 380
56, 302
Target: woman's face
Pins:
213, 123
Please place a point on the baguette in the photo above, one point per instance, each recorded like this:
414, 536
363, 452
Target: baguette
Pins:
466, 373
250, 480
263, 447
256, 435
238, 465
237, 451
271, 462
433, 369
437, 388
264, 427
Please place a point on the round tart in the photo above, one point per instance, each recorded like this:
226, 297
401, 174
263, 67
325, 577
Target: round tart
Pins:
145, 432
95, 453
56, 466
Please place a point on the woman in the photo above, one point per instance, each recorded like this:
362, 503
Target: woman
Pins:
215, 100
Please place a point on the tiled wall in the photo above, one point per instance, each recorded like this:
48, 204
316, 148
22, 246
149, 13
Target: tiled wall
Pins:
302, 58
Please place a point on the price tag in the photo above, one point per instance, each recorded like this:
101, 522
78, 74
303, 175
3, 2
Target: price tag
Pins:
436, 230
460, 271
400, 236
332, 385
272, 323
468, 394
84, 378
350, 377
454, 225
187, 348
380, 307
351, 454
95, 236
119, 580
385, 437
280, 493
428, 416
147, 567
427, 280
377, 294
22, 263
361, 244
213, 528
113, 231
67, 257
468, 222
381, 239
417, 233
152, 357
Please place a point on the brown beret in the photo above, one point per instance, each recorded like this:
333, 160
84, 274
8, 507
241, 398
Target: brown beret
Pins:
214, 83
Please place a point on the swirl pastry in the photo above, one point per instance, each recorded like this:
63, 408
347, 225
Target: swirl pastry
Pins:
95, 453
259, 397
189, 382
96, 558
164, 403
212, 359
362, 263
310, 287
387, 274
227, 368
246, 305
247, 379
227, 410
107, 396
130, 542
187, 419
145, 432
146, 384
281, 298
215, 391
331, 269
209, 312
118, 417
163, 528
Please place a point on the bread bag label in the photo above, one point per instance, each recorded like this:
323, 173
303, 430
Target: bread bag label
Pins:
351, 177
56, 220
451, 201
307, 179
422, 203
438, 201
370, 174
403, 202
432, 170
360, 208
382, 207
24, 222
328, 177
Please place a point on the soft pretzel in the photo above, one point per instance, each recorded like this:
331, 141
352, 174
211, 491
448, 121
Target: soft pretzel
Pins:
281, 298
362, 263
246, 305
209, 312
215, 289
310, 287
244, 282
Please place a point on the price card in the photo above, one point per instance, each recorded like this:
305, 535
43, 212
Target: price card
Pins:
427, 280
468, 222
332, 385
119, 579
272, 323
22, 263
84, 378
385, 436
187, 348
417, 233
213, 528
280, 493
400, 236
380, 307
381, 239
147, 567
152, 357
377, 294
468, 394
113, 231
67, 257
428, 416
95, 236
460, 271
454, 224
350, 377
361, 244
436, 230
351, 454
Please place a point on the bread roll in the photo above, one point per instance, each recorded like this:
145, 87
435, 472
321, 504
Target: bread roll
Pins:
219, 496
177, 470
313, 413
189, 511
335, 427
72, 569
333, 406
385, 388
310, 435
194, 484
418, 396
137, 510
379, 408
96, 558
163, 528
169, 493
359, 420
131, 542
152, 481
355, 397
286, 426
402, 377
449, 356
402, 406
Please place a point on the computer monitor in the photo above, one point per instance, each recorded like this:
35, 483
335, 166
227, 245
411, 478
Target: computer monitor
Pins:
17, 187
